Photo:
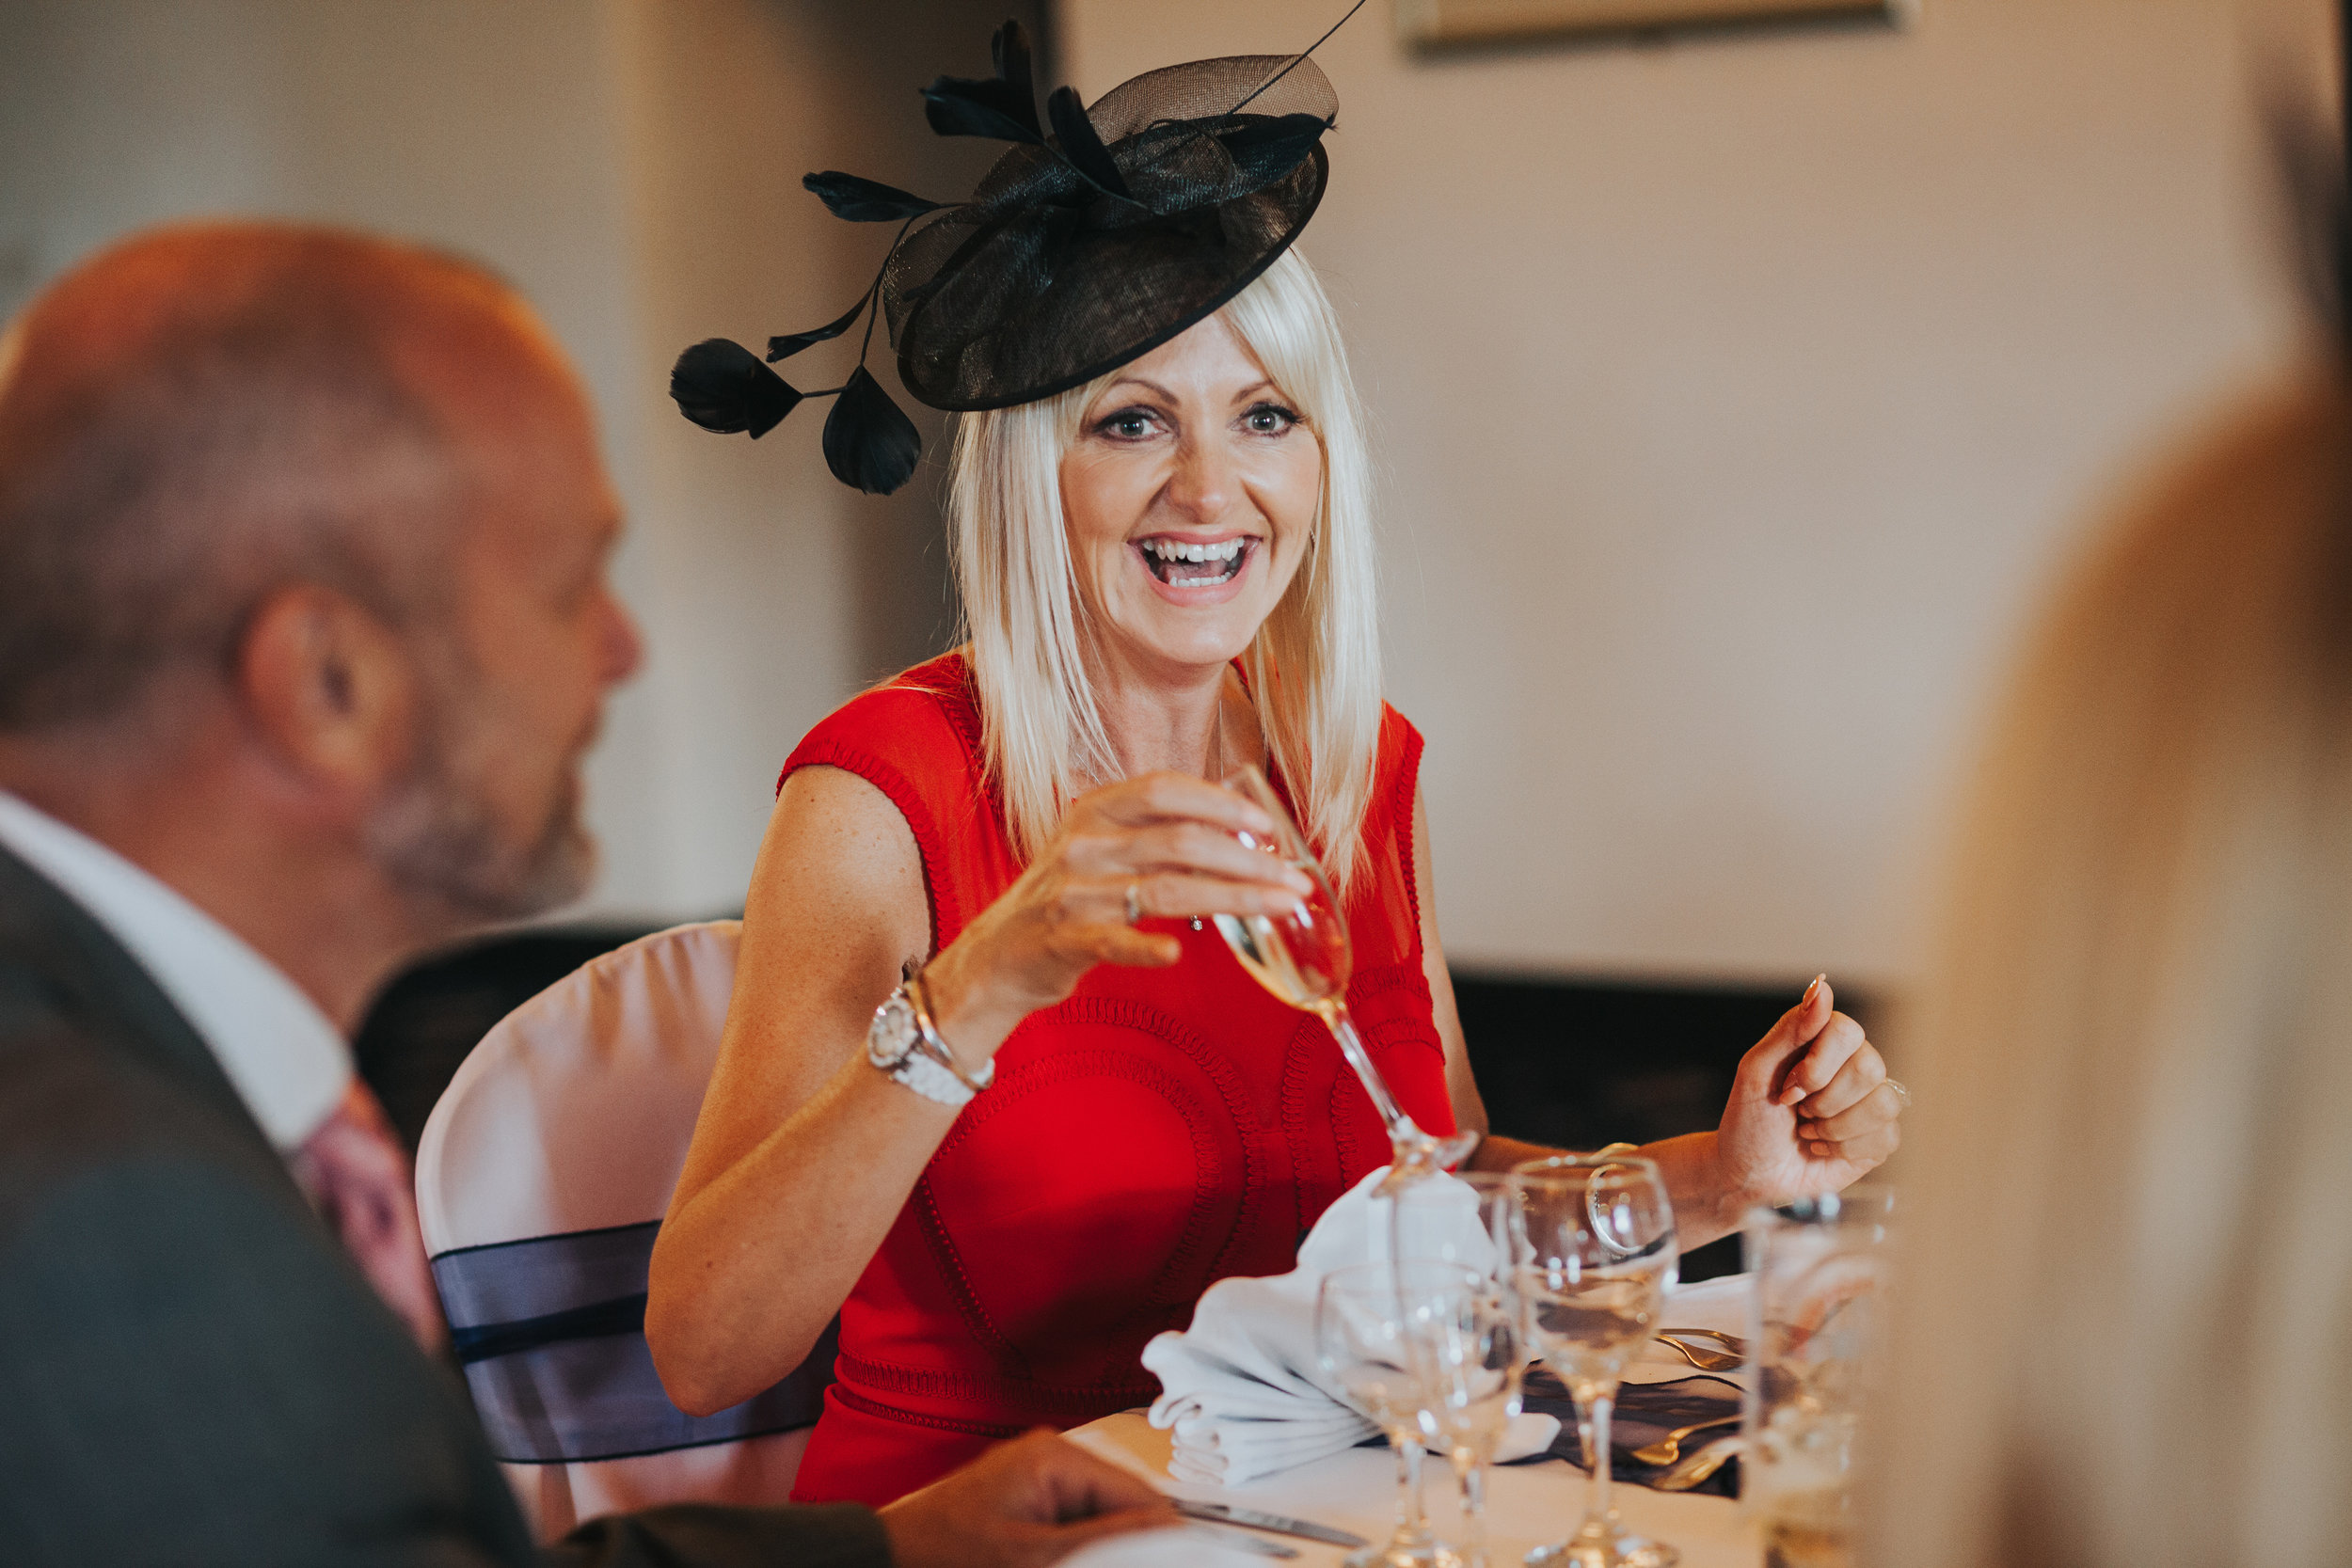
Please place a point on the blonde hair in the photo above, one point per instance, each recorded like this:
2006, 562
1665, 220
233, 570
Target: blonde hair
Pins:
1314, 665
2126, 1328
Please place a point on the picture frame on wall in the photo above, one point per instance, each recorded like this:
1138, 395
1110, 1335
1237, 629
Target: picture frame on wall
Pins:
1435, 23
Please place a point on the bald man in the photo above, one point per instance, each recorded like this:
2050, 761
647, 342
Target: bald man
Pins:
304, 630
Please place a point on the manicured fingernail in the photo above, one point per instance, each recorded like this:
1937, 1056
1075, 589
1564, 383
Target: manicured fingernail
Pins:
1810, 992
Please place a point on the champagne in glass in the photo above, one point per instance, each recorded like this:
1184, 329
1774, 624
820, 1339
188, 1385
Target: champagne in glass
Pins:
1303, 960
1596, 1251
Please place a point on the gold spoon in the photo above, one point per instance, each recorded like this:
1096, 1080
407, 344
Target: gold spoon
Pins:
1669, 1448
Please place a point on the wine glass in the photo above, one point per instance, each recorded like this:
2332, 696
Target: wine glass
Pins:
1596, 1253
1303, 959
1371, 1348
1468, 1338
1819, 1273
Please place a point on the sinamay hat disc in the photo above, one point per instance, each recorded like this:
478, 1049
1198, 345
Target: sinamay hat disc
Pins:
1103, 232
1043, 282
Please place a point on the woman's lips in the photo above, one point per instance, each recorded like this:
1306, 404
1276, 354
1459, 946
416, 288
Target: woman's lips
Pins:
1195, 571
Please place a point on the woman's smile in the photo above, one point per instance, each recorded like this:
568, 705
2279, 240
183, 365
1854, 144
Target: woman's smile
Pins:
1189, 569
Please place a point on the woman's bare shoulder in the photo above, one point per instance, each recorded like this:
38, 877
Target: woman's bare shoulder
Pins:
839, 847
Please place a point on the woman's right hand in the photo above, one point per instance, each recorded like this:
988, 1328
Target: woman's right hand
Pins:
1168, 836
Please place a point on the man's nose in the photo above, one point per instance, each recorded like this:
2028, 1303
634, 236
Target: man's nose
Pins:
623, 645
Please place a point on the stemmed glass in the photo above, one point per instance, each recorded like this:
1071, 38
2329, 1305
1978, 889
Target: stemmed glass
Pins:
1467, 1221
1470, 1334
1303, 959
1596, 1254
1469, 1344
1373, 1330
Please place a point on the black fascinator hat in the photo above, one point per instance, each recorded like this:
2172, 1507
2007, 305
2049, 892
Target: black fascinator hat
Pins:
1102, 234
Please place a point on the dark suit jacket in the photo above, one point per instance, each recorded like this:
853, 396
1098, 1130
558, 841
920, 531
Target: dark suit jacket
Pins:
192, 1372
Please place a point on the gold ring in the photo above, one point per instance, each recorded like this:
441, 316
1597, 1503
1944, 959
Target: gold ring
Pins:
1135, 902
1900, 1093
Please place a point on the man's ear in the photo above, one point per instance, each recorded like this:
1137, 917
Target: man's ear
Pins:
332, 691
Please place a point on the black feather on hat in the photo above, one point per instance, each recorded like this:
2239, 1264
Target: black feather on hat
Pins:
1103, 232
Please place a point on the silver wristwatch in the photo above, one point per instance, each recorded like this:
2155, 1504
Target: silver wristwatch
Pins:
904, 1042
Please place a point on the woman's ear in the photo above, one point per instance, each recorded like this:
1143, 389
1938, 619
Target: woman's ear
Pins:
331, 691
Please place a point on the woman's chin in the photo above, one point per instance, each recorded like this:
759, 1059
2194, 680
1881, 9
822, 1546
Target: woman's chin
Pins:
1193, 639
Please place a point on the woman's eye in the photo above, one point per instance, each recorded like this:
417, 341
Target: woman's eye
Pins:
1132, 424
1269, 419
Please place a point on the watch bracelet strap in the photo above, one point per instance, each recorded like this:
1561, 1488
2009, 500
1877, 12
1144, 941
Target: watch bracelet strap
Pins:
927, 1041
926, 1077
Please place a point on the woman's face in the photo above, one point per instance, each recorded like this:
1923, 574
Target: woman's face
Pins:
1191, 493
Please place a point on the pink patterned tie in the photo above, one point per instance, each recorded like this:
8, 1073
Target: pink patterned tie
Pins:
359, 1178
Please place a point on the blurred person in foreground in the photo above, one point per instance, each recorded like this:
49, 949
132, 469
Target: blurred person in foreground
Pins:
304, 630
2125, 1335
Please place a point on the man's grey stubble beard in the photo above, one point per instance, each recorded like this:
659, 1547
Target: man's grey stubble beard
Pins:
438, 835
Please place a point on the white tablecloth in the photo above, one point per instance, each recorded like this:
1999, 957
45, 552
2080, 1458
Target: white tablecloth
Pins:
1527, 1505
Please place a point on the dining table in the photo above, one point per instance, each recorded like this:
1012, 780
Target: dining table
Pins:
1528, 1504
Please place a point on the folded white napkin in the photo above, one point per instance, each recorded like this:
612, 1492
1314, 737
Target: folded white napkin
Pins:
1241, 1389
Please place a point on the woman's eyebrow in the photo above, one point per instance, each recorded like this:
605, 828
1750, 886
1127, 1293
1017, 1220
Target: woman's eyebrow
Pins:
1152, 386
1265, 385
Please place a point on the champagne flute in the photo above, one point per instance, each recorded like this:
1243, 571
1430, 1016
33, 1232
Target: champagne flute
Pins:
1304, 959
1595, 1253
1368, 1343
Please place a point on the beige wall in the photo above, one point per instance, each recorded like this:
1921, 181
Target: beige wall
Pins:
1736, 395
634, 165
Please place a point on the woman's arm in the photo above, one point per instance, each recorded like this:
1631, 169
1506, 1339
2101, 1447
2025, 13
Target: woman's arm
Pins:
1806, 1113
805, 1154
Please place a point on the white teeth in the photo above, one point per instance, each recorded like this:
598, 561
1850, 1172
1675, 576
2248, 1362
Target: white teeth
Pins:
1170, 550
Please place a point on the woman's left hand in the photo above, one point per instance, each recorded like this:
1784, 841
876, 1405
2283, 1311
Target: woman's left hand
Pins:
1811, 1110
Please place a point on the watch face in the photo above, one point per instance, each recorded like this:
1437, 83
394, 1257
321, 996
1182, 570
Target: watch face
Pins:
891, 1037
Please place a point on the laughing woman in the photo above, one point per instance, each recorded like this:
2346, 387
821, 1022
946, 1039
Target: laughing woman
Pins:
1074, 1112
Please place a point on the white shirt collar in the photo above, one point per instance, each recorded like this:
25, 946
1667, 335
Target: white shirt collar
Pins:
284, 1056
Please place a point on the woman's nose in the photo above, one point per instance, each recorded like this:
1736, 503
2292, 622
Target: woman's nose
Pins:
1202, 484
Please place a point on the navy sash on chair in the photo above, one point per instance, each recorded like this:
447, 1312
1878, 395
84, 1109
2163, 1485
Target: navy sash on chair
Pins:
552, 1334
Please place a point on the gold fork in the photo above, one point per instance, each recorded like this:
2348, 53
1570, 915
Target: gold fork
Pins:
1701, 1357
1669, 1448
1698, 1467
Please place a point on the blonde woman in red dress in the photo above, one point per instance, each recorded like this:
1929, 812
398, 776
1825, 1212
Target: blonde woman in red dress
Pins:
1160, 505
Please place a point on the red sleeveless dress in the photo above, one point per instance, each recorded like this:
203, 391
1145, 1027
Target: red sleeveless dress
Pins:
1161, 1130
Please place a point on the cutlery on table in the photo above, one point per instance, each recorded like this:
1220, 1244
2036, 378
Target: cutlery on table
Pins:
1701, 1357
1731, 1342
1669, 1448
1696, 1468
1242, 1542
1253, 1518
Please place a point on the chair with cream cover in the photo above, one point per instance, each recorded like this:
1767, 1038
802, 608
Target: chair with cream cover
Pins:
541, 1181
